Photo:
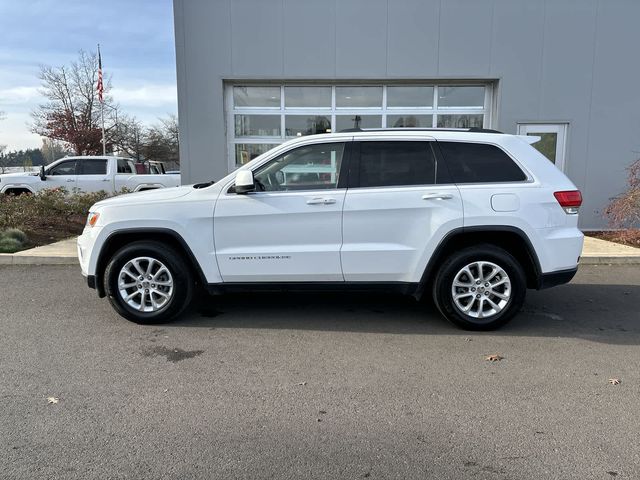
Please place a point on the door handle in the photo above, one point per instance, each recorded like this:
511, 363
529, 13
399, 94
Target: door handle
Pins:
105, 179
321, 201
70, 180
437, 196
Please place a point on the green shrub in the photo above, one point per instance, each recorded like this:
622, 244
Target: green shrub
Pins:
19, 235
46, 209
9, 245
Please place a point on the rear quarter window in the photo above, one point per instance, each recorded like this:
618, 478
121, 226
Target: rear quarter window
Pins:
479, 163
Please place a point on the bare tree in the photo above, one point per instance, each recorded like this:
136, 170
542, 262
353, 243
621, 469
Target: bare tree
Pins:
72, 112
52, 150
4, 161
162, 141
157, 142
129, 137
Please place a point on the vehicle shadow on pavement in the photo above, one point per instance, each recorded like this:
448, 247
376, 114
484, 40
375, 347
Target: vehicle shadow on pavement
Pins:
602, 313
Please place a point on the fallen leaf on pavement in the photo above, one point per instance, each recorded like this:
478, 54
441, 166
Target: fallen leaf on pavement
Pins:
53, 400
302, 383
614, 381
493, 358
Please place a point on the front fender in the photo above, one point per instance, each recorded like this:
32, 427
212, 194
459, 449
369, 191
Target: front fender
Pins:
193, 230
15, 186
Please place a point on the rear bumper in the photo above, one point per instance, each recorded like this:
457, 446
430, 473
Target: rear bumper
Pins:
552, 279
559, 248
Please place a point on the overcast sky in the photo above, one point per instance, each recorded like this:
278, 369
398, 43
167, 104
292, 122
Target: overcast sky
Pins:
138, 52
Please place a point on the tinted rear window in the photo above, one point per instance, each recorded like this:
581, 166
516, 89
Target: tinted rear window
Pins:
479, 163
93, 167
396, 163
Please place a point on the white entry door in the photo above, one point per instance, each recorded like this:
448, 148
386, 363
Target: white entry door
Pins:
553, 137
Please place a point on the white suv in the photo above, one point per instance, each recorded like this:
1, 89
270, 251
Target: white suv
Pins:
472, 217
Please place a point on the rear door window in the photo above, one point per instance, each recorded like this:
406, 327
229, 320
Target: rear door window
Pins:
396, 163
479, 163
93, 167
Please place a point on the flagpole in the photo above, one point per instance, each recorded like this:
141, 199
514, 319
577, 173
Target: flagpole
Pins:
104, 143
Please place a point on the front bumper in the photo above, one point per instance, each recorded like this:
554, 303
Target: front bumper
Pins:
86, 243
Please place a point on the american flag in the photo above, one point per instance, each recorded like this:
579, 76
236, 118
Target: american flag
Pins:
100, 87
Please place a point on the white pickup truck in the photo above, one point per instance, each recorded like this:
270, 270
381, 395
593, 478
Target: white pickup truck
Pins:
90, 174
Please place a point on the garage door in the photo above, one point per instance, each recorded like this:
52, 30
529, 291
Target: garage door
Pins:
260, 116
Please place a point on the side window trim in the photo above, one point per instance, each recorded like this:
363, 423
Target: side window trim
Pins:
345, 167
443, 173
354, 166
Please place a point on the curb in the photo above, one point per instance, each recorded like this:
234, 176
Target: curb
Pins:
595, 260
9, 259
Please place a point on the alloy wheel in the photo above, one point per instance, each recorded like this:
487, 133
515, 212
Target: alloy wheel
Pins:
481, 290
145, 284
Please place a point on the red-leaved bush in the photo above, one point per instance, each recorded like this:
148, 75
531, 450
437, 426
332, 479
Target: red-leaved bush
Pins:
624, 211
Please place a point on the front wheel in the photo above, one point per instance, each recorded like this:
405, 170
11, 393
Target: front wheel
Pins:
480, 288
148, 282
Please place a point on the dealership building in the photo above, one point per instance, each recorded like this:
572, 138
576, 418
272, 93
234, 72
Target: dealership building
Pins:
255, 73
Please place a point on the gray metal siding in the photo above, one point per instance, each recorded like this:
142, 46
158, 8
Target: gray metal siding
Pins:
310, 45
555, 60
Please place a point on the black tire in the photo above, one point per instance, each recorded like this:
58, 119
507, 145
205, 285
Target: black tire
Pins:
176, 264
443, 288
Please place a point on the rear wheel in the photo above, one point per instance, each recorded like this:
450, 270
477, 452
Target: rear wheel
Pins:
148, 282
480, 288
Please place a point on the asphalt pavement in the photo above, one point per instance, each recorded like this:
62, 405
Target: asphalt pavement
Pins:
318, 386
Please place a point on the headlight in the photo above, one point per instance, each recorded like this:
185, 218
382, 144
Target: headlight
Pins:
92, 219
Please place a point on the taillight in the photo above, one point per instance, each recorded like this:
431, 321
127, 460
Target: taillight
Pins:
570, 200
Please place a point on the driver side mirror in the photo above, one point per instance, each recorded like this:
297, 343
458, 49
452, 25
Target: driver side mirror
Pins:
43, 177
245, 182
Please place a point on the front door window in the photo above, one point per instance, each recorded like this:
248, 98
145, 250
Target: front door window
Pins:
64, 168
311, 167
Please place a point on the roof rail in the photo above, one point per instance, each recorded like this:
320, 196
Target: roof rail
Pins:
483, 130
425, 129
